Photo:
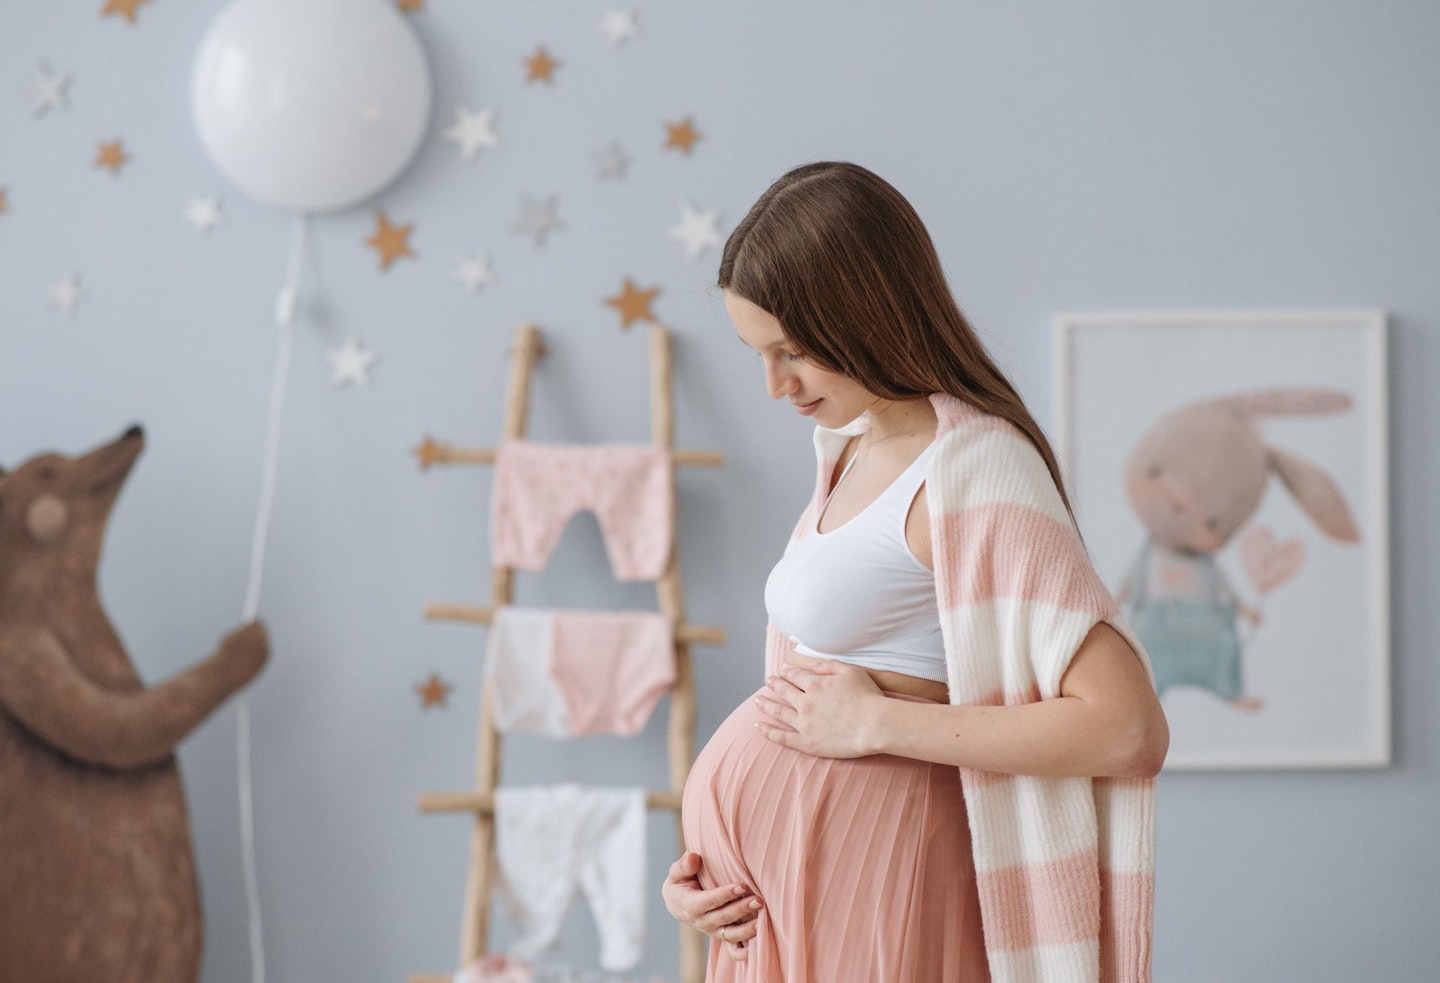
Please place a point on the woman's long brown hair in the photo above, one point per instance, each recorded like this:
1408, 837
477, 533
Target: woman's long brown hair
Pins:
843, 262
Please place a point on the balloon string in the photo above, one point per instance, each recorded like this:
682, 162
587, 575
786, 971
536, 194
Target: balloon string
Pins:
285, 316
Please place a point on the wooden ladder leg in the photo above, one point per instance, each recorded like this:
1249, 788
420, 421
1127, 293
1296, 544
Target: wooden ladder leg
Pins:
525, 350
671, 596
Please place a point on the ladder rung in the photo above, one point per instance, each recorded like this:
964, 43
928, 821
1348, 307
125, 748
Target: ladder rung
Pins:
432, 452
485, 802
474, 613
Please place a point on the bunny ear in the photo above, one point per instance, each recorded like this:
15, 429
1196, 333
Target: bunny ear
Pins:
1297, 401
1316, 493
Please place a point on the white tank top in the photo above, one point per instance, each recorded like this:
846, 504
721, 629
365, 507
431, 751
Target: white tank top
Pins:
858, 594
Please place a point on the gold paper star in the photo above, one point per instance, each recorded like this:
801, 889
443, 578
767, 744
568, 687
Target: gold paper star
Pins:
633, 303
112, 155
125, 8
429, 452
410, 6
681, 135
540, 67
390, 241
433, 692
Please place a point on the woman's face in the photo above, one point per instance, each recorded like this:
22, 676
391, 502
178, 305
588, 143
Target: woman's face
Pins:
832, 399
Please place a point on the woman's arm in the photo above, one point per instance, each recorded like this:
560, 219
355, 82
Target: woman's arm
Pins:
1106, 721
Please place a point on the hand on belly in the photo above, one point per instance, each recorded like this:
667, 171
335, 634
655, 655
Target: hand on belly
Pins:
826, 710
890, 682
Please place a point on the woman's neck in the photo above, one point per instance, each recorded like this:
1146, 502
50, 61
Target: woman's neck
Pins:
901, 418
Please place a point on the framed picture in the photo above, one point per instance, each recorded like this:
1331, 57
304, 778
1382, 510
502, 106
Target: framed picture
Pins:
1228, 471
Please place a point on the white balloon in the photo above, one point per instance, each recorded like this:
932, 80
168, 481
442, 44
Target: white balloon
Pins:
311, 105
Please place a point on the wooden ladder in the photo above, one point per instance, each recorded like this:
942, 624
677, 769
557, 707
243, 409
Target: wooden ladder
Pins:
525, 351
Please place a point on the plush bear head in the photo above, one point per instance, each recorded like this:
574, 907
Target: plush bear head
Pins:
53, 509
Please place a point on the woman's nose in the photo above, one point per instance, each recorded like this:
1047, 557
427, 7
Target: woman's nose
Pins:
778, 380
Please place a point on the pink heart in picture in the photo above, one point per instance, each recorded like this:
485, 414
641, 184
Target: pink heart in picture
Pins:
1269, 563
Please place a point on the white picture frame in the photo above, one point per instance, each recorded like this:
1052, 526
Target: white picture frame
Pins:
1157, 417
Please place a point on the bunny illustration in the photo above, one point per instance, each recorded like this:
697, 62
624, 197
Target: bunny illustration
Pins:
1193, 480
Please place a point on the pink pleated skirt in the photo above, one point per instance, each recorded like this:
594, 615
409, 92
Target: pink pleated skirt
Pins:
864, 864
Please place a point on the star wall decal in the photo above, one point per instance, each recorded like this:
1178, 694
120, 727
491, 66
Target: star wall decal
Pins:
429, 452
633, 303
618, 24
537, 218
390, 242
473, 272
124, 8
472, 131
50, 91
204, 212
350, 363
112, 156
540, 67
433, 692
65, 295
682, 135
611, 163
697, 230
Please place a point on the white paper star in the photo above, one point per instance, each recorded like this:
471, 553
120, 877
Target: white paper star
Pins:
204, 213
618, 24
472, 131
65, 295
473, 272
537, 218
611, 163
48, 90
696, 229
351, 364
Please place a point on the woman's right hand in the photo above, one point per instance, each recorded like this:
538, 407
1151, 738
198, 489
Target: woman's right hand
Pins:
726, 913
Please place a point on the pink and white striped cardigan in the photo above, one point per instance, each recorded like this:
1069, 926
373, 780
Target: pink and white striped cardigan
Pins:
1065, 865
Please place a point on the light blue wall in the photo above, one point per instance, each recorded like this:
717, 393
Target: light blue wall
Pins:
1066, 157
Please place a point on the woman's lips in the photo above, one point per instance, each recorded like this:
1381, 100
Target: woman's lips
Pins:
807, 409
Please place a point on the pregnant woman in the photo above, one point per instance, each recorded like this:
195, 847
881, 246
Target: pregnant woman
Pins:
948, 774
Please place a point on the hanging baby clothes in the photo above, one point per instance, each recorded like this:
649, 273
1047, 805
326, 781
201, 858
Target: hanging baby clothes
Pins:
539, 487
576, 673
554, 842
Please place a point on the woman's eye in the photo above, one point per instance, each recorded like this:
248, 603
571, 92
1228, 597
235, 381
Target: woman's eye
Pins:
794, 356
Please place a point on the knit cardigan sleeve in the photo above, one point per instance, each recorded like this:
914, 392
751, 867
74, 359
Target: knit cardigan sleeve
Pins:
1065, 866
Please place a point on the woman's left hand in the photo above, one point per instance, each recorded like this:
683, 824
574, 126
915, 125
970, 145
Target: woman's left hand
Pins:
822, 710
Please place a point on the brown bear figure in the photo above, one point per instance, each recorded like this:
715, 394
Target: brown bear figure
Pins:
97, 876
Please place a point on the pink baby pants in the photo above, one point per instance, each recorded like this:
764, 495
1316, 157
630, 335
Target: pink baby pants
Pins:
539, 487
